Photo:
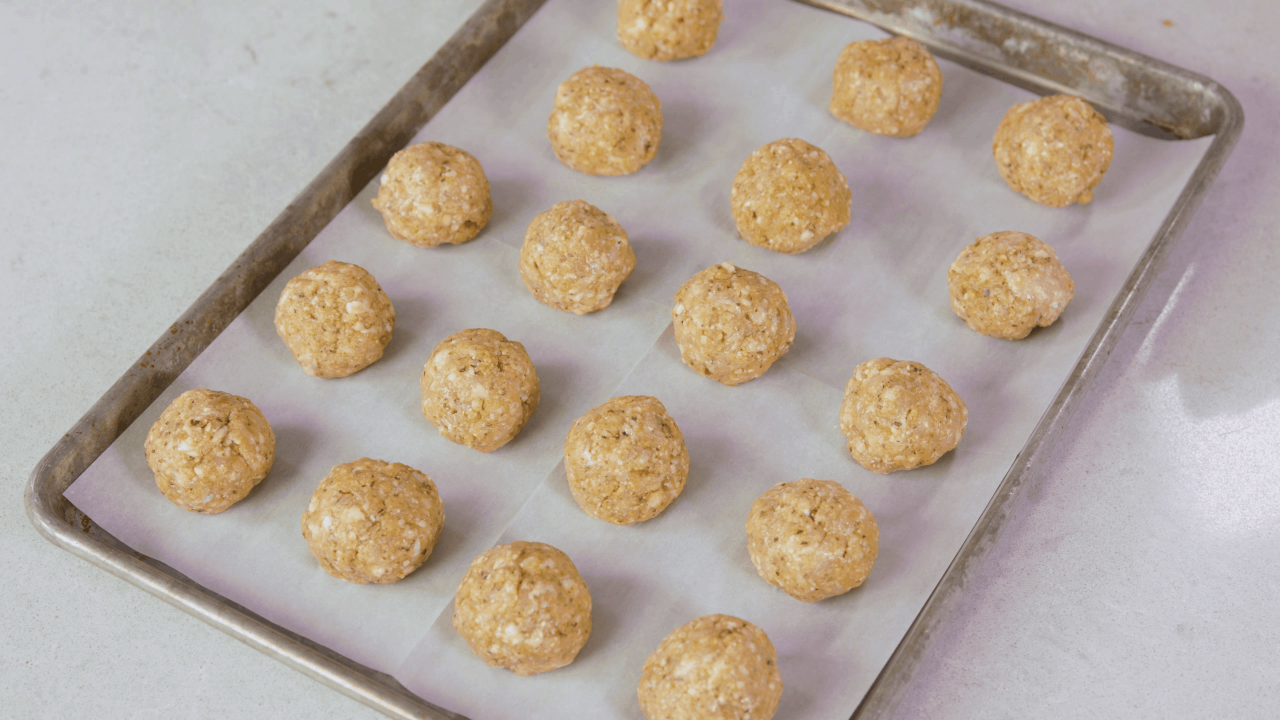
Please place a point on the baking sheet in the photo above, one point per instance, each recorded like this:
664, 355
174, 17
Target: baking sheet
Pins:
876, 289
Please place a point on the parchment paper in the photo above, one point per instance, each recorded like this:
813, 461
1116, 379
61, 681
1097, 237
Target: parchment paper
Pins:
878, 288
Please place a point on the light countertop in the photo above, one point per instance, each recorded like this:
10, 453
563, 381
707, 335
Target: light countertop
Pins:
143, 145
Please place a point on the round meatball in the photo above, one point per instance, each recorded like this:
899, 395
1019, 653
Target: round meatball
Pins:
524, 607
717, 667
371, 521
887, 87
626, 460
668, 29
208, 449
605, 122
899, 415
732, 324
335, 319
1054, 150
812, 538
788, 196
432, 194
479, 389
574, 257
1007, 283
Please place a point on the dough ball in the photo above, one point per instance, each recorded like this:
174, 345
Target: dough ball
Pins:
605, 122
668, 29
208, 449
479, 389
900, 415
1054, 150
335, 319
1007, 283
373, 521
717, 667
788, 196
812, 538
433, 194
626, 460
887, 87
524, 607
732, 324
574, 257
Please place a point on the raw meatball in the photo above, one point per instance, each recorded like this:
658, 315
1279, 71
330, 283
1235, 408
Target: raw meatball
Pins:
479, 389
788, 196
1054, 150
717, 667
605, 122
668, 29
208, 449
373, 521
335, 319
887, 87
433, 194
1007, 283
812, 538
900, 415
732, 324
523, 607
574, 257
626, 460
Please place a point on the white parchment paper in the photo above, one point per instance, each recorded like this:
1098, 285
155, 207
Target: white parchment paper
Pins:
878, 288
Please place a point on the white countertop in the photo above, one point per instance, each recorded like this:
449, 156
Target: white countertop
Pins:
143, 145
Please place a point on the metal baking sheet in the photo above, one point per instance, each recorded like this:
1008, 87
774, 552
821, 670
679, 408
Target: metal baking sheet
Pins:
380, 691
